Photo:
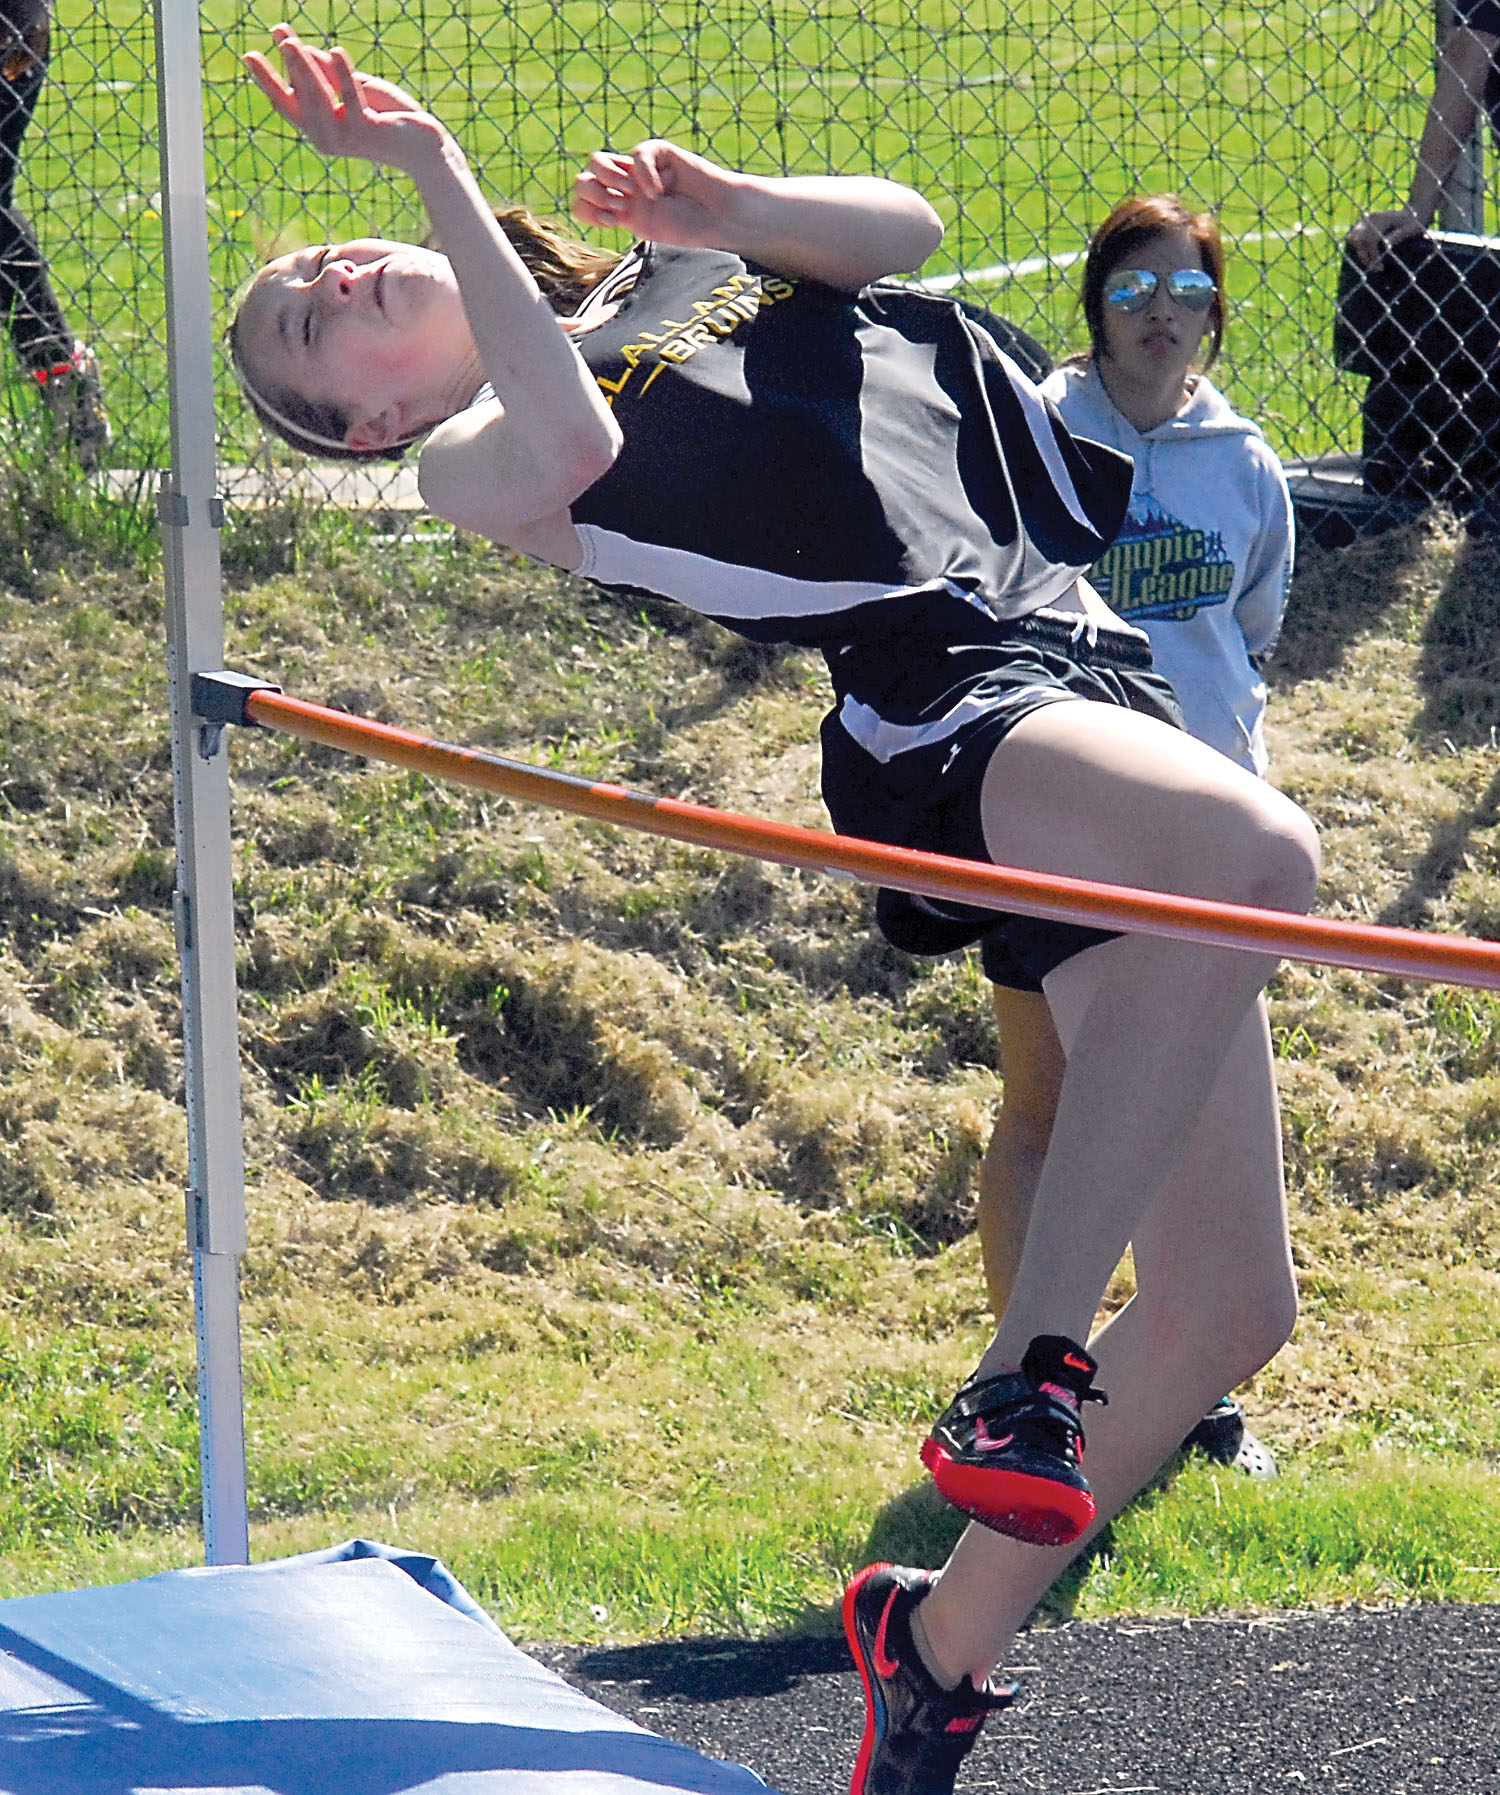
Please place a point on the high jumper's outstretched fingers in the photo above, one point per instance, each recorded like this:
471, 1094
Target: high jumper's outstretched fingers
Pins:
305, 96
367, 96
259, 65
347, 82
271, 84
340, 110
318, 101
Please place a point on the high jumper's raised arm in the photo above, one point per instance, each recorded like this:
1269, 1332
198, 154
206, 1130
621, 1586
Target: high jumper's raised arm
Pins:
844, 230
549, 433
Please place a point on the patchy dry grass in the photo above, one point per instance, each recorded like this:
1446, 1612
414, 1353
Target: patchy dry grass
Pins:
610, 1202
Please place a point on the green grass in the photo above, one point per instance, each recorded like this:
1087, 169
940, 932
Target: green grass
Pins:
1390, 1532
49, 508
585, 1522
1023, 122
610, 1203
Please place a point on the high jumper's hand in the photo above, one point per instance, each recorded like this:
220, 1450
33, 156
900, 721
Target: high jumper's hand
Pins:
657, 191
340, 111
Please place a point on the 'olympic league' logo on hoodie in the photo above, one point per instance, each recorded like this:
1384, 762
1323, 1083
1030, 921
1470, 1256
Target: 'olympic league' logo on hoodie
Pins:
1160, 568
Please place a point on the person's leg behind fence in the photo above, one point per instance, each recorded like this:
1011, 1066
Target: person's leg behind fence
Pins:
65, 369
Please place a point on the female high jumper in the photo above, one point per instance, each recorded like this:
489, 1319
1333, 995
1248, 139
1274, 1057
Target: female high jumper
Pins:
739, 416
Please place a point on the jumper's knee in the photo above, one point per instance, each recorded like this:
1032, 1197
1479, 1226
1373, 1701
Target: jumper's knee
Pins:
1260, 850
1255, 1336
1236, 1318
1248, 1331
1285, 861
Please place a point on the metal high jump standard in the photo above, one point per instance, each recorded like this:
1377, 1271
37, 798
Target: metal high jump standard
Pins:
192, 512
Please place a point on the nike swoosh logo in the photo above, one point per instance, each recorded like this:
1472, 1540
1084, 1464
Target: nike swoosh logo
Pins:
985, 1441
1078, 1364
885, 1666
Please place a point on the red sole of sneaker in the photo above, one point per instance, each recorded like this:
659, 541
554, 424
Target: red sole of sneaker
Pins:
1033, 1509
867, 1743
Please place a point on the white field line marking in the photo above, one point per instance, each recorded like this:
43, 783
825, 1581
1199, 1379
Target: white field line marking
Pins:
1000, 271
943, 283
1365, 1745
1054, 58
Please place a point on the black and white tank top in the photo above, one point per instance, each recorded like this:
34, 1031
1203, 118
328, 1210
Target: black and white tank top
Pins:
794, 454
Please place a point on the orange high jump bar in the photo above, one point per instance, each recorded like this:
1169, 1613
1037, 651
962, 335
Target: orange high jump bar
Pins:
1452, 959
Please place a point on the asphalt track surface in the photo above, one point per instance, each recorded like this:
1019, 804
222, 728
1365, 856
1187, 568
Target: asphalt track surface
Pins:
1397, 1701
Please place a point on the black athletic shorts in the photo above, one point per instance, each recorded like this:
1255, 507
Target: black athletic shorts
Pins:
906, 751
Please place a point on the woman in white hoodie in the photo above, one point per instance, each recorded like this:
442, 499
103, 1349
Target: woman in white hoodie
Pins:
1202, 564
1204, 558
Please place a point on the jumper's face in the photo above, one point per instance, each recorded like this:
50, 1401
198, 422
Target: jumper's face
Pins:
356, 325
1163, 337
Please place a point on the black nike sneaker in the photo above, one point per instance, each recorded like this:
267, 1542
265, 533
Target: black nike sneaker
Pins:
916, 1732
1008, 1450
1223, 1437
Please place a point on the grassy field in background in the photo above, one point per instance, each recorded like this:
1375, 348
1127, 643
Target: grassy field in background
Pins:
1023, 122
610, 1203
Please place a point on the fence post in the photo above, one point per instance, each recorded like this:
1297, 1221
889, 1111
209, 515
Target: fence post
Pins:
1461, 204
191, 513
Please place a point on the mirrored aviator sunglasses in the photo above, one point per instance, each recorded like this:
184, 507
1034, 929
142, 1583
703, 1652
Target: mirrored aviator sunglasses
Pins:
1130, 289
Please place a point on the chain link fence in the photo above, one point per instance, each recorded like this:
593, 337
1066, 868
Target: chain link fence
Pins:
1023, 122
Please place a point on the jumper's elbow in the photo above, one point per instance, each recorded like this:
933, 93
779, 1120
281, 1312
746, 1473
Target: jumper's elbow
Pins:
588, 454
498, 481
912, 231
927, 231
568, 456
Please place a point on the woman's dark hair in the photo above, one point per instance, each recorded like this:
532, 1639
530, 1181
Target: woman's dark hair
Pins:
565, 269
1130, 227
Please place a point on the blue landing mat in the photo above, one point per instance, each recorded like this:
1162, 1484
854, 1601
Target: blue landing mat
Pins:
363, 1670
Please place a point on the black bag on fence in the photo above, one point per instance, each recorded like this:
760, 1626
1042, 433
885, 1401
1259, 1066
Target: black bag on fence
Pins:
1424, 327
